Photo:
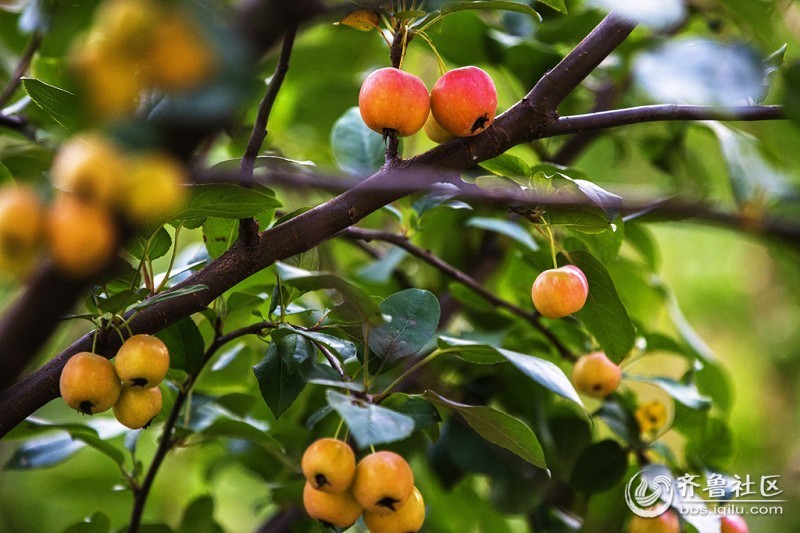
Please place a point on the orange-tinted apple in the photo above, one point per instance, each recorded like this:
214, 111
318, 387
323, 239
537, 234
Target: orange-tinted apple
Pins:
664, 523
559, 292
464, 101
391, 99
596, 375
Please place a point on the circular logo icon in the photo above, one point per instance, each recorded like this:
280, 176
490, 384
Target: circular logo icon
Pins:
651, 497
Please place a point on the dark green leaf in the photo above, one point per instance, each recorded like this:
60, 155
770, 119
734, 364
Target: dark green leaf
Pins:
158, 244
452, 7
471, 351
225, 200
185, 345
199, 517
498, 428
543, 372
412, 319
370, 424
356, 148
168, 295
278, 374
600, 467
421, 411
508, 165
60, 105
44, 451
712, 447
582, 219
229, 428
558, 5
97, 523
272, 162
604, 315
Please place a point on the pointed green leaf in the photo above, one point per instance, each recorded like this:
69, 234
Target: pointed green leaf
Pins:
498, 428
505, 227
452, 7
604, 314
62, 106
412, 317
279, 375
685, 393
370, 424
185, 345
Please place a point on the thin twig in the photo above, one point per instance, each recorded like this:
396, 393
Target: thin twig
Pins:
22, 67
459, 276
248, 229
167, 441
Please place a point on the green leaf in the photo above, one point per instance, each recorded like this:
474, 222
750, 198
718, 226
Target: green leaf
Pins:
199, 517
604, 314
185, 345
452, 7
498, 428
558, 5
471, 351
508, 228
278, 374
168, 295
159, 244
508, 165
225, 200
543, 372
586, 220
600, 467
370, 424
356, 148
44, 451
97, 523
754, 179
711, 447
271, 162
421, 411
92, 439
343, 348
229, 428
685, 393
312, 281
413, 316
5, 175
60, 105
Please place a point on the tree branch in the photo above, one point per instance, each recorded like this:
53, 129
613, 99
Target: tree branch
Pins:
521, 123
248, 228
398, 240
22, 67
656, 113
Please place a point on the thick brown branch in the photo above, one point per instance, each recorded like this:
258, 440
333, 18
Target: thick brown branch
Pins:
449, 270
520, 124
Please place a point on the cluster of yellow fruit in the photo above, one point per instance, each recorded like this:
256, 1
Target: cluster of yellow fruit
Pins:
381, 487
91, 384
139, 44
96, 181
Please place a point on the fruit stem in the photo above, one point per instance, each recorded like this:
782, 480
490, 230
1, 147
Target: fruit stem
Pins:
338, 428
94, 337
422, 362
552, 245
439, 60
168, 272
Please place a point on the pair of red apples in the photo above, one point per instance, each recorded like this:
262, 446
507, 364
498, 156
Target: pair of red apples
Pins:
462, 103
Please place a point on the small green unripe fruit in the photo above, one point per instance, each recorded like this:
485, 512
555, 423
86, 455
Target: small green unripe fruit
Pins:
143, 361
408, 518
383, 480
596, 375
464, 101
435, 131
733, 524
329, 465
664, 523
89, 383
391, 99
337, 509
136, 407
559, 292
